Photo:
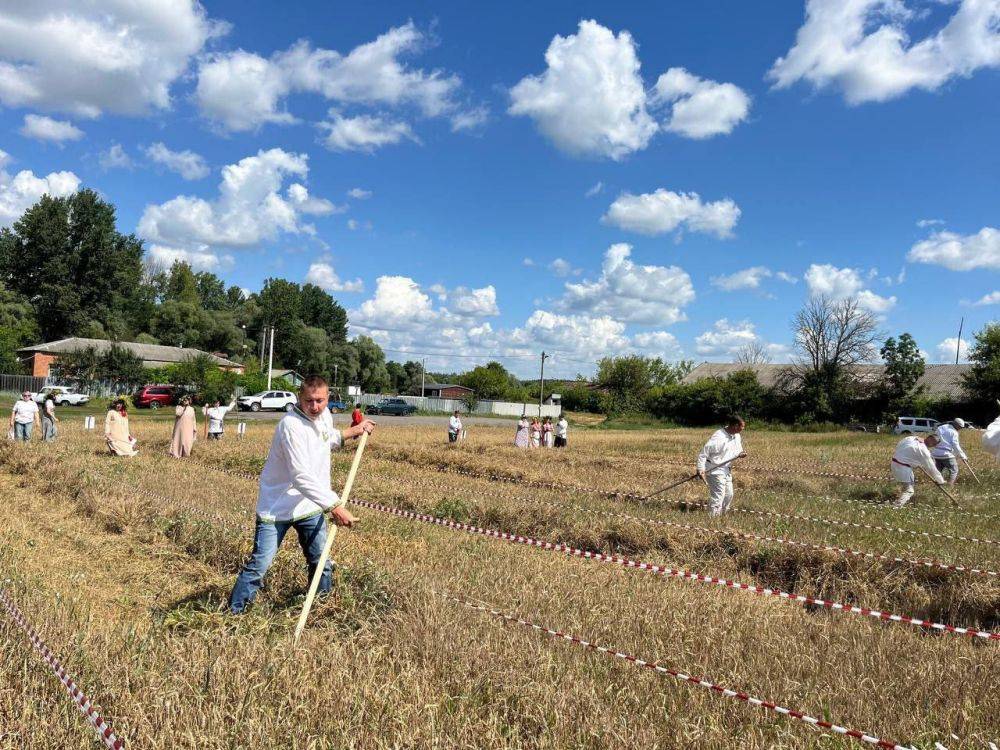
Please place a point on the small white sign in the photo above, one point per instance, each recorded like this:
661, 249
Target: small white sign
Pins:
241, 429
88, 423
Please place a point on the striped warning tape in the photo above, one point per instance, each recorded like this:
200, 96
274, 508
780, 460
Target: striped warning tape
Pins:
740, 509
680, 676
929, 563
91, 711
673, 572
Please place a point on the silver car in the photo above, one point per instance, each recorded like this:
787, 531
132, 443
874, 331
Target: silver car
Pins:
914, 425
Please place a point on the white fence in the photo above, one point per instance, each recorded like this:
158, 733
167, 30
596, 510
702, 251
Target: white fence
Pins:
448, 405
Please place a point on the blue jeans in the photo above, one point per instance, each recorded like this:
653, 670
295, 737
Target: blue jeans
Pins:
267, 539
22, 431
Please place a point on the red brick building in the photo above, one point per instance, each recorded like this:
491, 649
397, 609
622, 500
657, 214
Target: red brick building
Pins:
445, 390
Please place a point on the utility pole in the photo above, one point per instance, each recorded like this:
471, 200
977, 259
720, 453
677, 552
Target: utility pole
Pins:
270, 359
958, 346
423, 372
541, 385
335, 366
263, 345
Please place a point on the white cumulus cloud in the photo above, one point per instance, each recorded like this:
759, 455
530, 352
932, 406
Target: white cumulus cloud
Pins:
322, 274
591, 99
199, 260
86, 58
725, 339
476, 303
242, 90
187, 164
363, 133
841, 283
664, 211
625, 291
700, 108
359, 193
115, 158
249, 209
993, 298
43, 128
959, 252
748, 278
660, 344
946, 350
21, 191
865, 49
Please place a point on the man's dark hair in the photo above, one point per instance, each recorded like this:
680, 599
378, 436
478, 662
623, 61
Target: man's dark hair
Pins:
734, 419
313, 381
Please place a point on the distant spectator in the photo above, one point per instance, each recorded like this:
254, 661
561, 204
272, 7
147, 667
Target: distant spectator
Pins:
23, 417
454, 427
49, 419
536, 432
356, 416
547, 432
120, 441
215, 418
522, 437
185, 429
562, 431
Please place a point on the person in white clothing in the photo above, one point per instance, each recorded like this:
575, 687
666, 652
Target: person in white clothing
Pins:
215, 417
295, 490
715, 464
24, 416
454, 427
913, 453
991, 439
562, 431
949, 449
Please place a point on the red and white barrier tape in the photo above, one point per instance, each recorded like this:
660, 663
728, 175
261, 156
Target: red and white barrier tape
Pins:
929, 563
86, 706
676, 573
680, 676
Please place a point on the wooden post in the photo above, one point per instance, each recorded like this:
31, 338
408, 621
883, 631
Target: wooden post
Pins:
314, 584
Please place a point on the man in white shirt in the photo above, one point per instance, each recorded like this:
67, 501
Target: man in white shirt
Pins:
295, 490
454, 427
24, 416
949, 449
215, 416
715, 464
912, 453
562, 431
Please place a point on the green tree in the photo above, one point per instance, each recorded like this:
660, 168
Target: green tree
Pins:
67, 257
18, 328
211, 291
279, 307
80, 367
982, 383
372, 374
121, 366
319, 310
628, 379
201, 374
490, 382
904, 366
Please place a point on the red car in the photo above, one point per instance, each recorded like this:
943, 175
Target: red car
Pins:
155, 396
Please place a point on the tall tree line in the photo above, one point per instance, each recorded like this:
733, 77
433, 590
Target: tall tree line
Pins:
66, 270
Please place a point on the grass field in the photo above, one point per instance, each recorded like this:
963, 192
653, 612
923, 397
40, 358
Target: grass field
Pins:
123, 565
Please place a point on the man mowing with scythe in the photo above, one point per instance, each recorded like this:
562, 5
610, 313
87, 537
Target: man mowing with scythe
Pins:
295, 490
724, 447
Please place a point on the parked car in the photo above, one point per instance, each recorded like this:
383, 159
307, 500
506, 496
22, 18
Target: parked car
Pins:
282, 400
913, 425
337, 406
156, 395
395, 407
61, 394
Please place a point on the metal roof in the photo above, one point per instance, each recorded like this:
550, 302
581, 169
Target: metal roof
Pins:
147, 352
937, 380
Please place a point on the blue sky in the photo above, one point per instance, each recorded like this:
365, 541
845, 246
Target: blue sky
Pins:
496, 180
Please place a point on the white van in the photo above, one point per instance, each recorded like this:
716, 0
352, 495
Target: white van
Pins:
914, 425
